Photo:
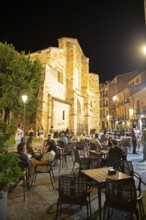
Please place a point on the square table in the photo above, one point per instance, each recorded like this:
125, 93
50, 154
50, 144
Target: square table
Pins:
99, 175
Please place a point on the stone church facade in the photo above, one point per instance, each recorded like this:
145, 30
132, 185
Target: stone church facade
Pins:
69, 94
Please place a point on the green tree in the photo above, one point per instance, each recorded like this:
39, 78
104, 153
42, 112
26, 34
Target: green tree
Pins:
10, 171
18, 75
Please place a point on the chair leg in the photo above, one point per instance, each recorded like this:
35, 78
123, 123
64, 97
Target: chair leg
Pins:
53, 175
141, 209
73, 168
51, 178
57, 210
87, 207
24, 184
33, 180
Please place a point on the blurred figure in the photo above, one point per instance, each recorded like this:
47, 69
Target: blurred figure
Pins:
52, 131
24, 160
48, 156
109, 144
41, 135
134, 141
143, 140
18, 134
64, 139
22, 135
31, 132
51, 143
138, 138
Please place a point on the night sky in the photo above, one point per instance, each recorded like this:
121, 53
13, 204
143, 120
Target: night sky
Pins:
110, 33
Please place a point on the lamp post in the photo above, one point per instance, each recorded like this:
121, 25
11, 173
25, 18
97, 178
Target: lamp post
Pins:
24, 99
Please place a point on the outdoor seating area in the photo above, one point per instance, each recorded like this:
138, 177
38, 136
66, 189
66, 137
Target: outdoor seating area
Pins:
44, 192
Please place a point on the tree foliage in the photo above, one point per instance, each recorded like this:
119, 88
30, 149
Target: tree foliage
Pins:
19, 75
10, 171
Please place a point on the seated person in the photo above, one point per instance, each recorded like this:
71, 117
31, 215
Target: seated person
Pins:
44, 160
115, 153
97, 144
109, 144
51, 143
25, 162
64, 139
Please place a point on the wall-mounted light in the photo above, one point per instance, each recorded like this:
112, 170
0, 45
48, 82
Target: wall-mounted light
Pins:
114, 98
131, 111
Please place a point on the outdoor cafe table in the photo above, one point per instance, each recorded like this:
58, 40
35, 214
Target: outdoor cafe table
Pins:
99, 175
98, 153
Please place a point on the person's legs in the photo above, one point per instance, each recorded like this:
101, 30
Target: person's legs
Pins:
134, 147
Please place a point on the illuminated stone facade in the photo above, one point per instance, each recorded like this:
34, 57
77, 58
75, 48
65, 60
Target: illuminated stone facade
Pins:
69, 93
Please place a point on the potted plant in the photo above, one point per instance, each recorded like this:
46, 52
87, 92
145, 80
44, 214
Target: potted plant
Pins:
10, 171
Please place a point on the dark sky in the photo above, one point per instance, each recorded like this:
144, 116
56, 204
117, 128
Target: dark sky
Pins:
110, 33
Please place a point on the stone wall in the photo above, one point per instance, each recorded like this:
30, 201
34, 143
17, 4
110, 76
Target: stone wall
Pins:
69, 94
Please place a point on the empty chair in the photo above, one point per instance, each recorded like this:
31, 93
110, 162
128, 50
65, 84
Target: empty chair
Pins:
73, 191
62, 158
77, 157
125, 145
85, 164
68, 149
121, 195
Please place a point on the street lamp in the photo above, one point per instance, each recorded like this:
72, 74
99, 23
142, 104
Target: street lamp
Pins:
24, 99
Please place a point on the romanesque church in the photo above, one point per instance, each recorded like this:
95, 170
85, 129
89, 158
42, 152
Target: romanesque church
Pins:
69, 93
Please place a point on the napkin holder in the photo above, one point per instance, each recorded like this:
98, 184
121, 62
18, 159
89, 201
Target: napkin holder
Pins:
111, 171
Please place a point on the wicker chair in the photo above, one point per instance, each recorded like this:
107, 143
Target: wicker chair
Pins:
127, 167
114, 160
121, 195
68, 149
77, 158
62, 158
73, 191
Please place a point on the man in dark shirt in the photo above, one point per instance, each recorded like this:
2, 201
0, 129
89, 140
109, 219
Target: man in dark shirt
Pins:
24, 160
115, 153
51, 143
114, 149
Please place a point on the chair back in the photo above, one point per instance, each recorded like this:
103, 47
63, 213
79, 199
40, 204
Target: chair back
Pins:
76, 156
121, 194
85, 163
69, 148
80, 145
127, 167
114, 160
72, 190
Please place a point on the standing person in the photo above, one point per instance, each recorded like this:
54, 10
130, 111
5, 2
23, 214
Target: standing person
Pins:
22, 135
41, 135
143, 141
134, 141
137, 133
31, 132
52, 131
29, 140
18, 134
